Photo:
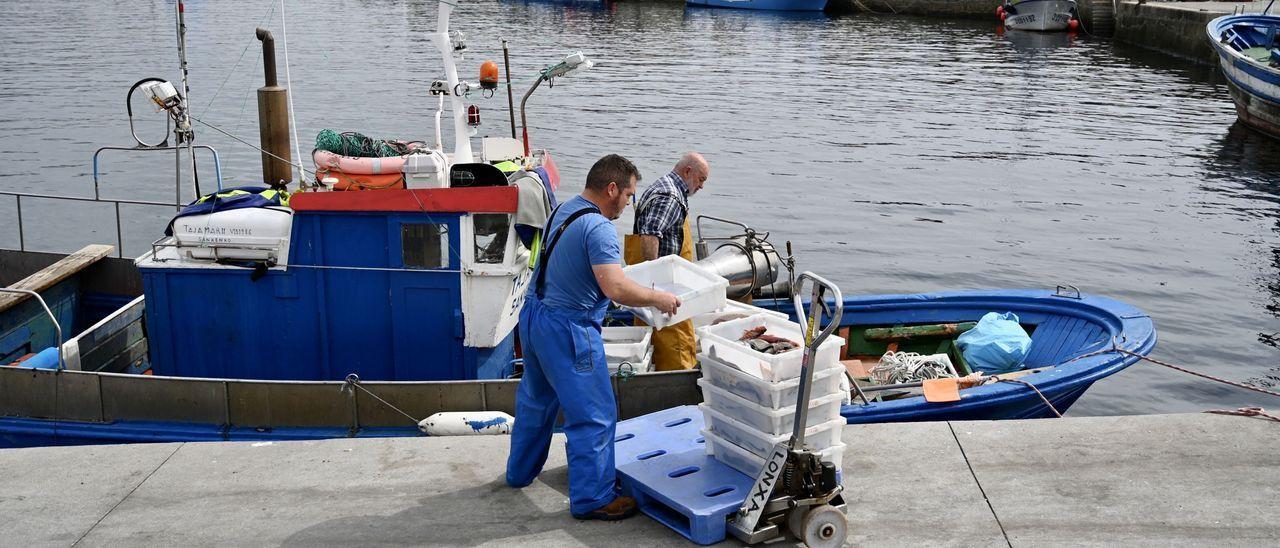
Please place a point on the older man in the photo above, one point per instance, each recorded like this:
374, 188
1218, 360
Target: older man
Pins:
662, 228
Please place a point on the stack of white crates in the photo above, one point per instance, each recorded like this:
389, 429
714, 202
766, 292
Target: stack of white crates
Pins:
633, 345
750, 397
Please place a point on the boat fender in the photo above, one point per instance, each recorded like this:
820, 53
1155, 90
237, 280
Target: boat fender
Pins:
467, 423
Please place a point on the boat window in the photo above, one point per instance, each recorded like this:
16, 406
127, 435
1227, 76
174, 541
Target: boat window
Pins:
491, 236
425, 245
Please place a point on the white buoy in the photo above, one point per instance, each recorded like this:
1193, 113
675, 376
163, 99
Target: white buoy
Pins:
467, 423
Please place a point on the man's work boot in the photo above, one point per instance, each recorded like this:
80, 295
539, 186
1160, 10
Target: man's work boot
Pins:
620, 508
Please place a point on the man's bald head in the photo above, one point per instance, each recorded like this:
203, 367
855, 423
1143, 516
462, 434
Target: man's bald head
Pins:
693, 168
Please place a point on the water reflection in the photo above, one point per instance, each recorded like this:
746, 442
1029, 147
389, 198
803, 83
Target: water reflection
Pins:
1029, 41
899, 154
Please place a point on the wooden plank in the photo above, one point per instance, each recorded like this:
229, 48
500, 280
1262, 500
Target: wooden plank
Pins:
50, 276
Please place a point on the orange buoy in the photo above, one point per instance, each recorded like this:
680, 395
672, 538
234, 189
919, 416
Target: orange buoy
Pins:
1073, 25
488, 75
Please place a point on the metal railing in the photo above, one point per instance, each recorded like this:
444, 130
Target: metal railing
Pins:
22, 237
116, 203
62, 364
217, 164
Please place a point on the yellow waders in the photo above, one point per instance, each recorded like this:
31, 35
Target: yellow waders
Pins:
674, 347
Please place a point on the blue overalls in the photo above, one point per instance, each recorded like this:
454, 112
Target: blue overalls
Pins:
564, 368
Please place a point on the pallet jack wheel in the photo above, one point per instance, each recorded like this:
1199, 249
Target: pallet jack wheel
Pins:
795, 522
823, 527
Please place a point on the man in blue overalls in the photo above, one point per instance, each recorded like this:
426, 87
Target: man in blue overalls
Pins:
577, 275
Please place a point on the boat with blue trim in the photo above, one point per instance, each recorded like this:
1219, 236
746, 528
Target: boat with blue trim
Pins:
1249, 54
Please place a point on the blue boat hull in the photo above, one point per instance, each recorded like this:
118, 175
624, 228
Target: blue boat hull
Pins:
772, 5
1064, 328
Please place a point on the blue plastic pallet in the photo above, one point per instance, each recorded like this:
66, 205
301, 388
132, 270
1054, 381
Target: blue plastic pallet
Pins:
668, 472
674, 430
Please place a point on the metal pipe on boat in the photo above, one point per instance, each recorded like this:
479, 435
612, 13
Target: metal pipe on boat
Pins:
511, 106
184, 129
62, 364
273, 119
746, 268
524, 125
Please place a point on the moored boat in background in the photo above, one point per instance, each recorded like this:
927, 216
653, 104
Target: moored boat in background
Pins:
1041, 15
1247, 47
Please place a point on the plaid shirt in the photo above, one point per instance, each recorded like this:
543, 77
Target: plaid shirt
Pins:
662, 212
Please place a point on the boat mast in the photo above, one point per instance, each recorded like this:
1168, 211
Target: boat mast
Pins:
184, 131
461, 138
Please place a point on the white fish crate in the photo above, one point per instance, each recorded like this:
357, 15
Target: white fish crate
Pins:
699, 290
733, 310
626, 343
643, 365
769, 421
773, 395
721, 342
749, 463
760, 444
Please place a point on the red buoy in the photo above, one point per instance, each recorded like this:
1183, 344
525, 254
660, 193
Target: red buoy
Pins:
1073, 25
1000, 13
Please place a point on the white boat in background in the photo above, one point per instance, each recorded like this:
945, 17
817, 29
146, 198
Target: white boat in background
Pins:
1042, 15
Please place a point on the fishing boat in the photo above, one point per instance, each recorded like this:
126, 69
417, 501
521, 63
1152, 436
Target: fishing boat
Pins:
263, 315
1248, 53
107, 391
770, 5
1039, 15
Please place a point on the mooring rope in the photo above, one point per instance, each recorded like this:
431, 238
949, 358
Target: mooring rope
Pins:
353, 383
1245, 412
1038, 393
1198, 374
288, 82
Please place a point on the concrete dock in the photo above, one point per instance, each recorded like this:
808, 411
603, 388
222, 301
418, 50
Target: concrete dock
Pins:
1173, 27
1192, 479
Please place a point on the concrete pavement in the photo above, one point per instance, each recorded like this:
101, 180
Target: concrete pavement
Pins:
1155, 480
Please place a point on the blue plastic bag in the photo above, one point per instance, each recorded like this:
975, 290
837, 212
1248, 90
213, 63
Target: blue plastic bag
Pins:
996, 345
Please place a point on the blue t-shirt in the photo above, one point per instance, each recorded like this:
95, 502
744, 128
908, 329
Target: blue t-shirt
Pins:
590, 240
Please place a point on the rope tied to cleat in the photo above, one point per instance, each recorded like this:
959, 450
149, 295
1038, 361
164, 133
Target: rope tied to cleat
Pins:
352, 384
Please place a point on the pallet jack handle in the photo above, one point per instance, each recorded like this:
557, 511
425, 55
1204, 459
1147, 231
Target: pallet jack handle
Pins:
813, 338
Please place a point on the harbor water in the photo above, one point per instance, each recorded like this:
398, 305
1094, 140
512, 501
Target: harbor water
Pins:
898, 154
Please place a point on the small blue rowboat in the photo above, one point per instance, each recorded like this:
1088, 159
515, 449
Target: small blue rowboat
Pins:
1064, 325
773, 5
1247, 51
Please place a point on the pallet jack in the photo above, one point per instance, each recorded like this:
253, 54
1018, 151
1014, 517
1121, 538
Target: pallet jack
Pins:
795, 488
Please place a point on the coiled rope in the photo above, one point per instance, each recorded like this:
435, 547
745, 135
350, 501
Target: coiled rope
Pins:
356, 144
905, 367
